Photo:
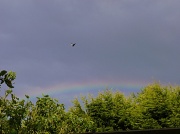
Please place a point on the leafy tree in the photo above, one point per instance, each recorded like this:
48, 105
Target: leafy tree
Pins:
46, 116
155, 104
174, 99
107, 110
15, 111
7, 77
75, 124
77, 120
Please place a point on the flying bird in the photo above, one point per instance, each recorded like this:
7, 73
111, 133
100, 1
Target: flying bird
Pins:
73, 44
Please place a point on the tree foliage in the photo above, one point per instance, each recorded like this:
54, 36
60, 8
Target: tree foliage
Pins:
155, 106
7, 77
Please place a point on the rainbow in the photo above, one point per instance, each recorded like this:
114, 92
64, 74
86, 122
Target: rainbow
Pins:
75, 89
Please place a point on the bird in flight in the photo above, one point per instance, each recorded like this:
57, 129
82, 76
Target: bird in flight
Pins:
73, 44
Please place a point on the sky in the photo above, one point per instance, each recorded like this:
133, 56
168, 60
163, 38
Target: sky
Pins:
120, 44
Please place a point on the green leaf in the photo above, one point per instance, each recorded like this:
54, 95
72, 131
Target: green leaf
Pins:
27, 96
8, 83
2, 81
3, 72
9, 91
46, 95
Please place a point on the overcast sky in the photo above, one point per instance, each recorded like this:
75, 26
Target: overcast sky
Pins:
116, 40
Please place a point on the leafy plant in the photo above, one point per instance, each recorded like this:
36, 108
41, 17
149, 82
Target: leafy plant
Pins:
155, 106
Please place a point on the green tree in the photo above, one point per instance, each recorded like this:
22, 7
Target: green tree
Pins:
155, 104
7, 77
15, 111
108, 111
77, 120
174, 99
46, 116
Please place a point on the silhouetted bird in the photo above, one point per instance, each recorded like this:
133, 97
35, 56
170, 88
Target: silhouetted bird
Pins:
73, 44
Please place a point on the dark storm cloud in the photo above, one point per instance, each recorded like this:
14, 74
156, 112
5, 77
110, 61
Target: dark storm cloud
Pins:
115, 40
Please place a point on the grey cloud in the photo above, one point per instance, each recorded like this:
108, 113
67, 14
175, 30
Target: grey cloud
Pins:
115, 39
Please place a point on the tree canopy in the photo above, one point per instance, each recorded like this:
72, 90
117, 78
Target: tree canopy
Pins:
155, 106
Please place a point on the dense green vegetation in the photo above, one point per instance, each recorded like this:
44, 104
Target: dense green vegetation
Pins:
155, 106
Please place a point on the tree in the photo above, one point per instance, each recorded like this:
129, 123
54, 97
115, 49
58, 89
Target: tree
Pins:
13, 113
46, 116
7, 77
107, 110
174, 99
156, 106
77, 120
